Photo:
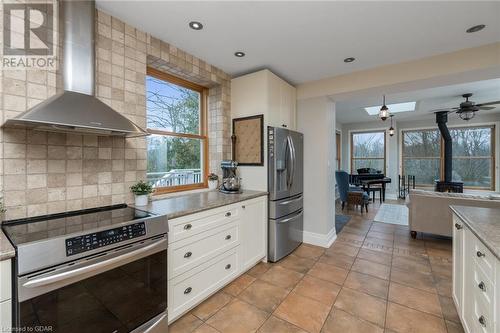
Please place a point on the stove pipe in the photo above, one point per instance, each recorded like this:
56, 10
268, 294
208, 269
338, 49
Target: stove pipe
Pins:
441, 120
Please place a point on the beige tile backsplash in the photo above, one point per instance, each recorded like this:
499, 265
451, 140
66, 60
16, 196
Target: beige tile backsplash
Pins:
45, 172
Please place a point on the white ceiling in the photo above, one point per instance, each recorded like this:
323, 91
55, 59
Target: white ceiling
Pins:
307, 40
352, 111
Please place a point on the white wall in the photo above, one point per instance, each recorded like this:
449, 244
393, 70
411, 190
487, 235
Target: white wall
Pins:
394, 144
316, 119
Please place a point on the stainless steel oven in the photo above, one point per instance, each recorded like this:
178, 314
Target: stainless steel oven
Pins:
111, 279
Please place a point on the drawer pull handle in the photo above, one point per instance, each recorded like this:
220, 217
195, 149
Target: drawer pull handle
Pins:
482, 286
187, 290
228, 214
482, 321
188, 254
480, 254
188, 226
458, 226
228, 266
228, 237
243, 206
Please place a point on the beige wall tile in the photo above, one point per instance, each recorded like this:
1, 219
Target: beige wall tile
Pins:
52, 172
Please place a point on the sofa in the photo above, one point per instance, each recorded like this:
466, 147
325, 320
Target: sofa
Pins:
429, 211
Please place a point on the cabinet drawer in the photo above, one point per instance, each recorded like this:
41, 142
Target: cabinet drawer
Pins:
189, 289
6, 278
482, 287
480, 318
6, 316
193, 251
194, 224
484, 258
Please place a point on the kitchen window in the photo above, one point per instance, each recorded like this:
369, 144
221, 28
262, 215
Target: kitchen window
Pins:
177, 149
473, 156
368, 150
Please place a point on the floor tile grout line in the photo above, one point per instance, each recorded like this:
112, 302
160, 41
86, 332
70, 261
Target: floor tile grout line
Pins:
359, 222
291, 290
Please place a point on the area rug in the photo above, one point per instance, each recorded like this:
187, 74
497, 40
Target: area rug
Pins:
340, 222
393, 214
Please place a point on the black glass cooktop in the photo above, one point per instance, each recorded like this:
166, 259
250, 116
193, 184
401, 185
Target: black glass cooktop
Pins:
57, 225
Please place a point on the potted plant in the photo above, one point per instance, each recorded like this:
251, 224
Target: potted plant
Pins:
213, 181
141, 191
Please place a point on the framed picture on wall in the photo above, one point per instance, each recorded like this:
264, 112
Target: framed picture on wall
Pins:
248, 140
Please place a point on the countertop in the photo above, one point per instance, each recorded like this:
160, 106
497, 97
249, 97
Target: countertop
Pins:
171, 207
197, 202
7, 251
484, 223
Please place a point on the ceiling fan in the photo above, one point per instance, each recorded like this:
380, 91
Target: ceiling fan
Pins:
467, 109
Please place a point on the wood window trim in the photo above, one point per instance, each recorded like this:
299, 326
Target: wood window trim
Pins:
338, 151
368, 158
203, 135
492, 127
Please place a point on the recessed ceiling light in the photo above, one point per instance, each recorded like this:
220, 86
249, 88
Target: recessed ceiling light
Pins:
195, 25
350, 59
476, 28
239, 54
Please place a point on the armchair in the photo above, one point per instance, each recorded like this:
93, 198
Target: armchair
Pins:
349, 194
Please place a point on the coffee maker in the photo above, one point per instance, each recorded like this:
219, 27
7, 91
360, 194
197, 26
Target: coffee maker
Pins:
231, 183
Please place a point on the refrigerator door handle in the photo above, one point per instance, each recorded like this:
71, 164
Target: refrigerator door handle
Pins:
290, 170
291, 218
284, 203
294, 160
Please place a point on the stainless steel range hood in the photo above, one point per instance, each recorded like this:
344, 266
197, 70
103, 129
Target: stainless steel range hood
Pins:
77, 109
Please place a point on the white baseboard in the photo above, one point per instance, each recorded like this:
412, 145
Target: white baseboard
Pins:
322, 240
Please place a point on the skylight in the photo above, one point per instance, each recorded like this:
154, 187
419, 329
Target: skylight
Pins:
393, 108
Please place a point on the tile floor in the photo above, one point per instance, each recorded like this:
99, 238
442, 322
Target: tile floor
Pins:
374, 278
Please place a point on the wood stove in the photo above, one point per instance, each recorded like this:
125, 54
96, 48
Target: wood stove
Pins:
447, 185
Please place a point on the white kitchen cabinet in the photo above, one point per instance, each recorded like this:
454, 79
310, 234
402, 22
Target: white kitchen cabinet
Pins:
476, 281
208, 250
458, 267
253, 231
264, 92
5, 296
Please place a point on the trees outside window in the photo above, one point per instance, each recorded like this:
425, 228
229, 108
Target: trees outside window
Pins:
473, 156
177, 146
422, 155
368, 150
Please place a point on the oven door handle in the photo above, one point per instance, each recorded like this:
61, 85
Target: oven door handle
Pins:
95, 267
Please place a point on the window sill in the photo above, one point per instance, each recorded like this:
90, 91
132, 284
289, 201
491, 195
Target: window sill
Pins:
178, 194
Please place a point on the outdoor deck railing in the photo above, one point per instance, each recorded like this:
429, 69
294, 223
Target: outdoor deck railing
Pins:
175, 177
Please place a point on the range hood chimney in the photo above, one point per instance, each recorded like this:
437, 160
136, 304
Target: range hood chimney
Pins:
77, 109
446, 184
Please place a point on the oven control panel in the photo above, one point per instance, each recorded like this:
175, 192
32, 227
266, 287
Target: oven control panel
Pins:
96, 240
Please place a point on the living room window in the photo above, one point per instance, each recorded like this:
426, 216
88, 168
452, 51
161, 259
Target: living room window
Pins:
368, 150
422, 155
473, 156
177, 149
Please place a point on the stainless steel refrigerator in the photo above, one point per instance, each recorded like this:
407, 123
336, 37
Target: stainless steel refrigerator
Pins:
285, 184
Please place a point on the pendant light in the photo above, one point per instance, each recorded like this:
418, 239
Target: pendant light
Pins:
384, 111
466, 115
391, 129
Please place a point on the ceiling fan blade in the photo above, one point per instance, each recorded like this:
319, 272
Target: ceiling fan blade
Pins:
487, 107
489, 103
442, 110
